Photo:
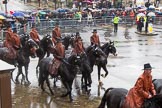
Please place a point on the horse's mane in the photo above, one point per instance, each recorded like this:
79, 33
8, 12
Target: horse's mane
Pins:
105, 45
155, 101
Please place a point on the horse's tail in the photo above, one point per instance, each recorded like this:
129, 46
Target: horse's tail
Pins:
103, 101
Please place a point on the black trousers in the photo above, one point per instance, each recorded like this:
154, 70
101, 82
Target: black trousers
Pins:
115, 27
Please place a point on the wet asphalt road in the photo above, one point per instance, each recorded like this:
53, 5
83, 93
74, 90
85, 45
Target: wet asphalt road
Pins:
133, 51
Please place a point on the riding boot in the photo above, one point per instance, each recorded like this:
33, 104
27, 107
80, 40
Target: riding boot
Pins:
15, 63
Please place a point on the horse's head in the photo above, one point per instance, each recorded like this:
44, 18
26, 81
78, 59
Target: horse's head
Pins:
74, 60
154, 102
109, 48
47, 41
24, 38
31, 46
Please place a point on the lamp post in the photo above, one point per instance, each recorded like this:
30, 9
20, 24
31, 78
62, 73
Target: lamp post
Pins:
39, 2
5, 3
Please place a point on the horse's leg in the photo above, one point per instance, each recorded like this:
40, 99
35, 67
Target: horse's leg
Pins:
99, 73
82, 81
70, 96
54, 82
48, 84
105, 69
26, 73
18, 73
42, 84
48, 53
65, 83
37, 67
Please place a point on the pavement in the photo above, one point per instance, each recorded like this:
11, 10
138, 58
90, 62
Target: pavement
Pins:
42, 4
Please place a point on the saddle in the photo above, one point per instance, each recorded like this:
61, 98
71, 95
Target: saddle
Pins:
10, 53
53, 66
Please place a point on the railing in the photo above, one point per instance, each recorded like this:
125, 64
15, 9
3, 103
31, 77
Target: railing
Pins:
46, 26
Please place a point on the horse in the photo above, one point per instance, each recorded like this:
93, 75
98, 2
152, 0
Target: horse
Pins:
86, 72
44, 48
98, 56
26, 51
67, 72
114, 98
4, 50
68, 40
158, 85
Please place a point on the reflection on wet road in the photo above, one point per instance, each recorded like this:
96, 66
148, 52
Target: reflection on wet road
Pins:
133, 51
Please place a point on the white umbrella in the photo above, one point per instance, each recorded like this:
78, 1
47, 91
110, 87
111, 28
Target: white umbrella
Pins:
151, 14
141, 14
151, 6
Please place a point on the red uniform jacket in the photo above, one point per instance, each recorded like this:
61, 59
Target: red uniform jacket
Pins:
34, 35
16, 40
95, 40
78, 47
139, 92
56, 33
60, 50
8, 39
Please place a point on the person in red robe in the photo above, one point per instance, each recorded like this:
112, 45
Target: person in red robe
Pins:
56, 33
94, 39
142, 89
34, 34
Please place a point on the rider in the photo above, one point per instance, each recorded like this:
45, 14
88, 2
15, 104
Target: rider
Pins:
34, 34
142, 90
59, 54
94, 39
78, 45
56, 33
16, 39
9, 39
60, 49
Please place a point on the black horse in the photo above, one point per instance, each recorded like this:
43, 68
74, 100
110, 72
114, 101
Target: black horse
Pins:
67, 71
27, 50
158, 85
86, 70
44, 48
114, 98
5, 50
98, 56
68, 40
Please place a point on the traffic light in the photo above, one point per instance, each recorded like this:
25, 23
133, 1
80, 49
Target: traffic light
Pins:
4, 1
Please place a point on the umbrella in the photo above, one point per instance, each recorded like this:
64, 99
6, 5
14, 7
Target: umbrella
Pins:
128, 8
151, 14
2, 13
42, 13
140, 10
141, 14
151, 6
18, 14
2, 17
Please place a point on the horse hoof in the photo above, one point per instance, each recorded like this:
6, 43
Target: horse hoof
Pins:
103, 75
63, 95
100, 83
29, 82
17, 81
71, 100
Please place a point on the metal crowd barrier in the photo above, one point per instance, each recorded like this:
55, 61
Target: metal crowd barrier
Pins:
46, 26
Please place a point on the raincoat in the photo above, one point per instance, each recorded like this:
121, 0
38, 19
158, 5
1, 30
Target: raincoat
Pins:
142, 89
